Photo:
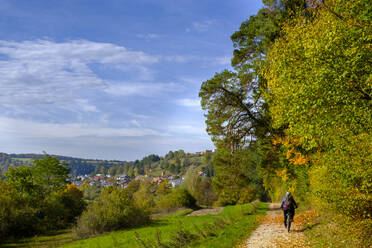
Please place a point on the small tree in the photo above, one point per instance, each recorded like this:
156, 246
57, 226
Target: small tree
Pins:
50, 173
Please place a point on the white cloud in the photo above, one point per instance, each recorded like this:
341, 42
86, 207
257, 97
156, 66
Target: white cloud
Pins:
192, 80
188, 129
135, 123
225, 60
187, 102
201, 26
148, 36
140, 89
180, 58
86, 106
34, 129
46, 72
79, 51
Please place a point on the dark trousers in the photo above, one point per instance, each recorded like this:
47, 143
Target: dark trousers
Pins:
291, 213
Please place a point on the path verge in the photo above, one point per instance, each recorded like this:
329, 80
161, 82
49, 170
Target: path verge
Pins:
272, 233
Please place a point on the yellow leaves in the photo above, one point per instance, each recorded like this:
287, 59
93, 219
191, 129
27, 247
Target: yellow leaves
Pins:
286, 141
71, 187
282, 174
291, 154
299, 159
280, 141
292, 187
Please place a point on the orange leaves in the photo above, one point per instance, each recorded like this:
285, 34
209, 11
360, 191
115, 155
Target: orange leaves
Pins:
306, 219
298, 159
72, 192
296, 238
291, 152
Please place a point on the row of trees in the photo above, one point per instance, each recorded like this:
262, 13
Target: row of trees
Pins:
296, 108
36, 199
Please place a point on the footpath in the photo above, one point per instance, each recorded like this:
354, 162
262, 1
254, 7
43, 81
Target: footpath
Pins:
271, 232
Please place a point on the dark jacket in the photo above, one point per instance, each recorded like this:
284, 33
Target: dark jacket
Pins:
292, 203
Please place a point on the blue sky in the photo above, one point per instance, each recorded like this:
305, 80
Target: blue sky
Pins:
111, 79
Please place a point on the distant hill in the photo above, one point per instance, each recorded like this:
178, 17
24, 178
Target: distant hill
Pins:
78, 166
175, 162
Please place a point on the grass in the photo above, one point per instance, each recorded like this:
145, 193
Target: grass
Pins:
237, 231
225, 229
222, 230
53, 239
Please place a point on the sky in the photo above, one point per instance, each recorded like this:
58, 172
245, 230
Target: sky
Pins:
114, 79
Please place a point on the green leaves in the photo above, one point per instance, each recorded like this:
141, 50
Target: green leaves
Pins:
50, 172
318, 76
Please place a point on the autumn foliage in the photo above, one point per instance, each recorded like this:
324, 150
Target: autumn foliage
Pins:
319, 86
300, 99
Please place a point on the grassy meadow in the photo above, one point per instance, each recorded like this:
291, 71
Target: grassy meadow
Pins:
225, 229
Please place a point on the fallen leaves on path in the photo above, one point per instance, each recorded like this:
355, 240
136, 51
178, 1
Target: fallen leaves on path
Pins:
272, 233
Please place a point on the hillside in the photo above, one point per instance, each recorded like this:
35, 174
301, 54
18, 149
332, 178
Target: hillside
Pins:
172, 163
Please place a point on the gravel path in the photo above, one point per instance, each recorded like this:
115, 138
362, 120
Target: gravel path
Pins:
271, 233
206, 211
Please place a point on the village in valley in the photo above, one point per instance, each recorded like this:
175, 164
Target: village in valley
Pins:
123, 180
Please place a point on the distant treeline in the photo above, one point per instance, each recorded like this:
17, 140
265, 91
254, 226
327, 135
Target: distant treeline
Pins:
173, 163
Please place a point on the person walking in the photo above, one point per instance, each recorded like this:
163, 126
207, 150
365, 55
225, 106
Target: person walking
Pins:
288, 206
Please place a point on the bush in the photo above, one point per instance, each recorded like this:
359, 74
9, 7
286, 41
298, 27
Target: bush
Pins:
17, 217
247, 195
179, 198
114, 210
60, 209
228, 197
144, 197
206, 195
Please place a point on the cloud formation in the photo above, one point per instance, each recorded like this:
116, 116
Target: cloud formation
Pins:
58, 93
34, 129
140, 88
201, 26
187, 102
46, 72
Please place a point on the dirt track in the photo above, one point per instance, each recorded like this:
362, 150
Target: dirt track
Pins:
206, 211
271, 233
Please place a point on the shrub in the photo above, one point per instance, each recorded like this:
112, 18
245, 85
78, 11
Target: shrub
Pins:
247, 195
228, 196
206, 195
59, 209
17, 217
114, 210
179, 198
144, 197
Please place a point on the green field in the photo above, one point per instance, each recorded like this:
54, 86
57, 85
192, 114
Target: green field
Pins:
225, 229
222, 230
53, 239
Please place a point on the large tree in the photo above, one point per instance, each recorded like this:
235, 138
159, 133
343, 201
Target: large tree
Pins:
237, 115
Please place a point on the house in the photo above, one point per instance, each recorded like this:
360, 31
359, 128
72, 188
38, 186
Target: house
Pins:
202, 174
123, 178
156, 180
175, 182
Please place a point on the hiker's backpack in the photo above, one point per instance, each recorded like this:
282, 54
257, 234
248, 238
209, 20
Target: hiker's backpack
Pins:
286, 203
